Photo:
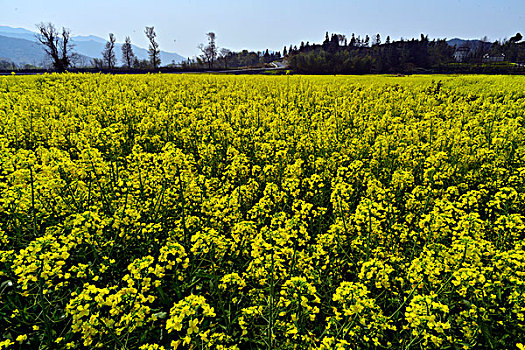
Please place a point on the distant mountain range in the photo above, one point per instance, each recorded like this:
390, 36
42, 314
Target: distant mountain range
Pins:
21, 51
21, 47
471, 44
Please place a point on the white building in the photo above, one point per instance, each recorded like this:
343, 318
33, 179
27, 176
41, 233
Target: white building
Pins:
495, 58
461, 54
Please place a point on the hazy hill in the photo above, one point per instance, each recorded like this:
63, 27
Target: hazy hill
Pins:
21, 51
19, 33
466, 43
89, 38
20, 46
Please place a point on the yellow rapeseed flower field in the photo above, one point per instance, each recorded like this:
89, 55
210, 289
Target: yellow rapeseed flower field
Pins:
262, 212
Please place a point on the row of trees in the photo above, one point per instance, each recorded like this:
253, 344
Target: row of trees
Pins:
338, 54
129, 60
57, 45
227, 59
211, 57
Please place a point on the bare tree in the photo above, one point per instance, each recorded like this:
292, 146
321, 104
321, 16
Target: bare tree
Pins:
209, 52
56, 45
340, 39
127, 53
108, 55
225, 56
77, 60
154, 52
97, 63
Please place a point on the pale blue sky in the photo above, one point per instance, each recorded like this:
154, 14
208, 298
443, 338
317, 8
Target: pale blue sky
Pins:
269, 24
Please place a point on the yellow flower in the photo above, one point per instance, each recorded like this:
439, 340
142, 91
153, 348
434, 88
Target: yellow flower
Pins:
186, 340
21, 338
193, 326
6, 343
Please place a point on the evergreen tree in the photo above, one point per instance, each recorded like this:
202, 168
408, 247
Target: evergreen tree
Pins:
366, 41
378, 39
326, 42
516, 38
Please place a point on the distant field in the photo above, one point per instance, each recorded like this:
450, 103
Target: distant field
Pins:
262, 212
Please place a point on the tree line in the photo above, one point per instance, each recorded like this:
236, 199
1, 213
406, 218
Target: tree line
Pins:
59, 48
128, 58
339, 55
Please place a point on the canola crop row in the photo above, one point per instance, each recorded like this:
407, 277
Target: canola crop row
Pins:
255, 212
